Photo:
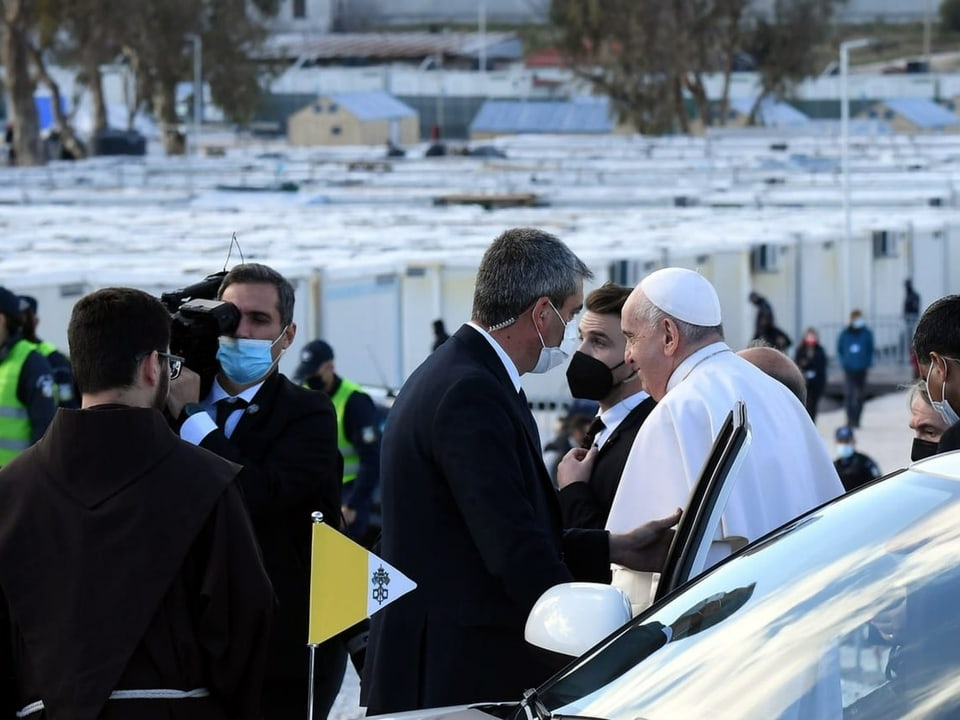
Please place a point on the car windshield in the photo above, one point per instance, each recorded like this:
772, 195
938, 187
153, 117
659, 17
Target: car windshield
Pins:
848, 612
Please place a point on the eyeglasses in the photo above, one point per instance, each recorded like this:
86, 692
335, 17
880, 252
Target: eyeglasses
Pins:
175, 362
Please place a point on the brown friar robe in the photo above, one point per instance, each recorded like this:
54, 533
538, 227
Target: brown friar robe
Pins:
127, 561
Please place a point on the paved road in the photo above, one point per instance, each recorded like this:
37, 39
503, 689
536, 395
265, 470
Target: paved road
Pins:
347, 705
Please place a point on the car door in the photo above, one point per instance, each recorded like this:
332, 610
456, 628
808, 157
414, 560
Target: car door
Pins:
698, 526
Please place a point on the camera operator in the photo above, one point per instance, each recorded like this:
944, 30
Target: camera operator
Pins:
285, 436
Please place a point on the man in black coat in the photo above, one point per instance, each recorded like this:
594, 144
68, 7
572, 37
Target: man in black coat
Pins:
131, 585
285, 436
936, 344
469, 512
598, 372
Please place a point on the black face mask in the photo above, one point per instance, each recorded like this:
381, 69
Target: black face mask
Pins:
922, 449
589, 378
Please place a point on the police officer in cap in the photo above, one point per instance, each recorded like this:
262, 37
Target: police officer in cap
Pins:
27, 403
64, 389
854, 468
359, 434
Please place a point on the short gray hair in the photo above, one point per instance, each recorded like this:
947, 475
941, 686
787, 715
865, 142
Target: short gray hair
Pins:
918, 389
521, 266
651, 314
255, 273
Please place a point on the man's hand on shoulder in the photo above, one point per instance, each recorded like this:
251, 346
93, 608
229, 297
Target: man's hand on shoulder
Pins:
645, 547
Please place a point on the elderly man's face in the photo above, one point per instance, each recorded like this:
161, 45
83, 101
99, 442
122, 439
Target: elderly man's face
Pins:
925, 422
645, 348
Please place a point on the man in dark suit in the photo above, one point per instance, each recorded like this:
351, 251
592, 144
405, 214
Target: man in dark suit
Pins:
469, 512
936, 344
598, 372
285, 436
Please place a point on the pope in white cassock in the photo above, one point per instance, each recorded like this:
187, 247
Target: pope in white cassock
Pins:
675, 342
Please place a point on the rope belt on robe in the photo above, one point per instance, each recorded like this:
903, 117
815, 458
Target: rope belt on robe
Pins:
158, 694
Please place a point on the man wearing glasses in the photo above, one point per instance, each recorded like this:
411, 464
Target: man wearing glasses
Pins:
131, 584
285, 436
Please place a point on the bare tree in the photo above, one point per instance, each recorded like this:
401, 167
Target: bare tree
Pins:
68, 138
646, 54
649, 55
16, 28
786, 45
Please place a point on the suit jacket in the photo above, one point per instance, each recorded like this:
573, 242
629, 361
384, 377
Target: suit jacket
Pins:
587, 505
286, 441
470, 515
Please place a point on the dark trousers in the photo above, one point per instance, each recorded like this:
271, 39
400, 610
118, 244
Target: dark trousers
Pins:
855, 382
286, 698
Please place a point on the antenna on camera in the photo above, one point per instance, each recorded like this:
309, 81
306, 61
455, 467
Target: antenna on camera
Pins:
233, 241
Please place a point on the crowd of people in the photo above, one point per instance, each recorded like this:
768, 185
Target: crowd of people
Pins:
171, 577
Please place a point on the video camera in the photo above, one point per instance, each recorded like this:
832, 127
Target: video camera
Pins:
199, 319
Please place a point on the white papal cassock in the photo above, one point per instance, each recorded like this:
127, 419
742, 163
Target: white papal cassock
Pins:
787, 469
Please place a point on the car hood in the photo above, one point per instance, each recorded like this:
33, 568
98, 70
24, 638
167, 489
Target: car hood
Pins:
474, 711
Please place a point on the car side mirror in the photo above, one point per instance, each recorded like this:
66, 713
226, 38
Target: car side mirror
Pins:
573, 617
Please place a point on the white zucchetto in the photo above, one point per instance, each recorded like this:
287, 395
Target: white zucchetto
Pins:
683, 294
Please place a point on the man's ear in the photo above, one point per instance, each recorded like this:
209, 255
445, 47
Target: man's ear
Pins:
671, 337
943, 365
541, 306
148, 371
288, 335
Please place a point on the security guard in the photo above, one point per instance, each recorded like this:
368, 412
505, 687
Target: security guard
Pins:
27, 403
359, 434
64, 388
854, 468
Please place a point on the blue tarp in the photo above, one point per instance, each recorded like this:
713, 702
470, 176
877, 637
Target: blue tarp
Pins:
771, 113
922, 112
44, 105
583, 115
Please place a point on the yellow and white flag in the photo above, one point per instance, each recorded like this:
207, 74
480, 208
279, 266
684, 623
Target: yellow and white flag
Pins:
347, 584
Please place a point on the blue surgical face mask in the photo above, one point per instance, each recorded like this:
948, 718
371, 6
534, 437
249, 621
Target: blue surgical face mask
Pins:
844, 451
244, 360
859, 323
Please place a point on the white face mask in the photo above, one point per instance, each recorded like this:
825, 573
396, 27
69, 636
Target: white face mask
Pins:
948, 414
551, 357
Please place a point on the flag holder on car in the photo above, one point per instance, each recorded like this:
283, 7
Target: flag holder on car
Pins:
364, 585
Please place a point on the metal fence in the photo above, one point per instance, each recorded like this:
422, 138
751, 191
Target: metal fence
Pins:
892, 339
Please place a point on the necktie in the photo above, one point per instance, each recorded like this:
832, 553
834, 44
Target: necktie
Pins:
596, 427
226, 406
527, 415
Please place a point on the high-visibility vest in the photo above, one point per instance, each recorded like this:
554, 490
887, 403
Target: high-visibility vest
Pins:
46, 348
351, 460
61, 393
14, 421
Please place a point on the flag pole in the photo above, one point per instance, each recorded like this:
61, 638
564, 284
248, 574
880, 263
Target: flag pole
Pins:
317, 518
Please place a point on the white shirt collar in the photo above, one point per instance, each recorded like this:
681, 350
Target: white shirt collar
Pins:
617, 414
218, 393
502, 354
687, 366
